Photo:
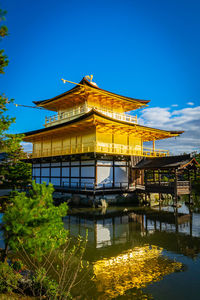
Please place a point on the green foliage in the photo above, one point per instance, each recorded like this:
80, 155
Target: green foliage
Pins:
165, 179
8, 278
58, 271
13, 171
43, 285
197, 156
16, 174
5, 121
34, 223
3, 33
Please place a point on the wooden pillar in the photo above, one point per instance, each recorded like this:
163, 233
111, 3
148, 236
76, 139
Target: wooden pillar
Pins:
191, 215
159, 201
142, 177
159, 176
146, 197
145, 177
176, 218
195, 173
175, 189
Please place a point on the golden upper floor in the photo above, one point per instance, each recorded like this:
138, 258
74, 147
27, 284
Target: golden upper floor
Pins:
95, 132
89, 94
76, 112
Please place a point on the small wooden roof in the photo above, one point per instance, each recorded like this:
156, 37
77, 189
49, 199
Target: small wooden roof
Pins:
168, 162
85, 89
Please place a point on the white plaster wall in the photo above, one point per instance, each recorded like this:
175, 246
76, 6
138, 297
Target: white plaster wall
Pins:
120, 163
104, 176
121, 175
104, 162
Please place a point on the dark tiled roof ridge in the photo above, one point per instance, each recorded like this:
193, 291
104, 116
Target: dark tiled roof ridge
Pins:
175, 161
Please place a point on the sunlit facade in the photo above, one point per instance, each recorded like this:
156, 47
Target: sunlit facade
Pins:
90, 140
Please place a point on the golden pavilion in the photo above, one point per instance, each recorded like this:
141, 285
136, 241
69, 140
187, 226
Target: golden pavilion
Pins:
90, 141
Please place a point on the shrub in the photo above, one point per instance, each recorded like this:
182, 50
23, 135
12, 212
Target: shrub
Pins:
34, 222
165, 179
8, 278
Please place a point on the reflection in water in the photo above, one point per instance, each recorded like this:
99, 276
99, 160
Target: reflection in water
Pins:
133, 269
132, 250
168, 229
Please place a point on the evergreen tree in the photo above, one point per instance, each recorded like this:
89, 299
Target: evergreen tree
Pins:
34, 223
14, 172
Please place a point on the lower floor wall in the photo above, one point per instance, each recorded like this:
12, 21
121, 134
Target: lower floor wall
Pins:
82, 173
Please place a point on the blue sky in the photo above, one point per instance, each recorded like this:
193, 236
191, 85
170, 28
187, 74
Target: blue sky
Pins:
147, 49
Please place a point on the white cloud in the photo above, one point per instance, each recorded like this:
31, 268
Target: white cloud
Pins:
186, 119
190, 103
174, 105
27, 146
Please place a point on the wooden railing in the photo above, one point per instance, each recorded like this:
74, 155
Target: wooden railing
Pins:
108, 148
77, 112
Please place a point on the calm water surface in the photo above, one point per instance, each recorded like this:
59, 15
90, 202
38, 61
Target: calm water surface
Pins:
140, 253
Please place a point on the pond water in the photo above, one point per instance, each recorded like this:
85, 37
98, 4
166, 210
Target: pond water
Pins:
140, 252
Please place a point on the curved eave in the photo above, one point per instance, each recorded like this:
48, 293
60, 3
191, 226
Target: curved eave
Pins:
94, 112
193, 161
96, 89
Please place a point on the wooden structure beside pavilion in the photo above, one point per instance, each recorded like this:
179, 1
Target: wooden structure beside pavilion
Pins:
166, 175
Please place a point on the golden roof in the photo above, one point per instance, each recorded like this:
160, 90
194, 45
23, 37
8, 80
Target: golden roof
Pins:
103, 123
85, 90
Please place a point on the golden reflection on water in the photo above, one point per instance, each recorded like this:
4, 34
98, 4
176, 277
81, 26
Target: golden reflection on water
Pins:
135, 268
